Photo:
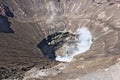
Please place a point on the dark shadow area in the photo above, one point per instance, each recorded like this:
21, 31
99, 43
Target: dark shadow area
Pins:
5, 9
8, 12
49, 45
5, 25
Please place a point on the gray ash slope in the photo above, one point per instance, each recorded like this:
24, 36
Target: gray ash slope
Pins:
18, 46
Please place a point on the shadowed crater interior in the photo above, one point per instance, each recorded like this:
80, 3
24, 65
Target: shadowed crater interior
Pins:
4, 22
5, 25
50, 44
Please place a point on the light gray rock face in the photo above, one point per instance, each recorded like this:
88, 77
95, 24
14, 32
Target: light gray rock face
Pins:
35, 20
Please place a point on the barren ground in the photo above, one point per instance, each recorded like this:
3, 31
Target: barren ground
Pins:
29, 22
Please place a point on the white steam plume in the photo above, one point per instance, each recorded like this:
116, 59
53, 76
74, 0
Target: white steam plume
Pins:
82, 45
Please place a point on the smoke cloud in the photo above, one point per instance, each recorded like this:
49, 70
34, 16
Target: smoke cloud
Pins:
84, 42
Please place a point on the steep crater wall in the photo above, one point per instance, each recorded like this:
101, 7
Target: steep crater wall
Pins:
37, 19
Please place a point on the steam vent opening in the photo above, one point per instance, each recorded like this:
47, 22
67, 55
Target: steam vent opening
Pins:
70, 44
59, 40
